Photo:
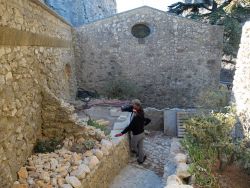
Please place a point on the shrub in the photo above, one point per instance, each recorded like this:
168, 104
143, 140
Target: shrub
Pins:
215, 99
46, 146
208, 140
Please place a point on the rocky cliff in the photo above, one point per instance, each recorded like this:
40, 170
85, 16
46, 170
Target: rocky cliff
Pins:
79, 12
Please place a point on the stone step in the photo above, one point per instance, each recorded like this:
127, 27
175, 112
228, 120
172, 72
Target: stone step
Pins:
103, 122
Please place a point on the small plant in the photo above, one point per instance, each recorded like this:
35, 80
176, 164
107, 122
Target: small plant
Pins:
83, 147
93, 123
121, 89
89, 144
46, 146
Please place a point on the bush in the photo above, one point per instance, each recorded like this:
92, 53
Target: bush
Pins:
208, 140
47, 146
215, 99
121, 89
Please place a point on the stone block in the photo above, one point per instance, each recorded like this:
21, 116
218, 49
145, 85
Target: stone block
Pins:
182, 170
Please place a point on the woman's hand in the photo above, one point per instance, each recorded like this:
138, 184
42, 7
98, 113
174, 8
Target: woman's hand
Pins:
119, 134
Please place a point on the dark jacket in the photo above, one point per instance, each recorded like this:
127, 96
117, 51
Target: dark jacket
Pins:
137, 122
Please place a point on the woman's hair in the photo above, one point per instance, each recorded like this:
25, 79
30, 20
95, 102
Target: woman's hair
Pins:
137, 102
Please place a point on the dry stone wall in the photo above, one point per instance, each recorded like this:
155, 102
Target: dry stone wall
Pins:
170, 67
35, 51
241, 84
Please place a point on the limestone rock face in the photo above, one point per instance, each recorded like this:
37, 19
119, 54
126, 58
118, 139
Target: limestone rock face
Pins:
79, 12
241, 84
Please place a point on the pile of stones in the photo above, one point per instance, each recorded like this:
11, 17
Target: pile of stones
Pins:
62, 168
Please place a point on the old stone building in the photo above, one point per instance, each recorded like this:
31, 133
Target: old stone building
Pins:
171, 61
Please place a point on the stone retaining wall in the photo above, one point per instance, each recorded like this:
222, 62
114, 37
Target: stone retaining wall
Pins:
35, 51
241, 84
110, 166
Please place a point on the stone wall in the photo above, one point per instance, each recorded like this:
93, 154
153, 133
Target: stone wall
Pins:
170, 67
241, 84
79, 12
35, 51
59, 120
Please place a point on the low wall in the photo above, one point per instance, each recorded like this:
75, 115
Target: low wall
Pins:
241, 84
35, 51
110, 166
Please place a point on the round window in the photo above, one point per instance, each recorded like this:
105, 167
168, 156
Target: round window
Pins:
140, 31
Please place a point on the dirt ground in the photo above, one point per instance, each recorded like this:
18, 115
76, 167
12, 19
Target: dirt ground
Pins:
234, 177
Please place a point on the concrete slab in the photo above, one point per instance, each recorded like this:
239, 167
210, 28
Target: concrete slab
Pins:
170, 128
122, 118
115, 112
120, 125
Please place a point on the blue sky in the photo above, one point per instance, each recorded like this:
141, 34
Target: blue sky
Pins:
124, 5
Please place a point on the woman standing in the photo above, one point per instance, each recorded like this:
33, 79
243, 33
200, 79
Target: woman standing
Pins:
136, 126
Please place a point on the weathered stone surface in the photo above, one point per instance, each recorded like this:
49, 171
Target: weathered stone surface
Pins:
241, 84
20, 186
81, 171
180, 158
92, 162
174, 180
98, 153
22, 173
74, 181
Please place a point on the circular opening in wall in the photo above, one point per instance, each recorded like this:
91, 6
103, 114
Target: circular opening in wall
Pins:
140, 30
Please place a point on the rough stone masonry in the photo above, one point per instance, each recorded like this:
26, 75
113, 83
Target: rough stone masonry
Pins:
35, 52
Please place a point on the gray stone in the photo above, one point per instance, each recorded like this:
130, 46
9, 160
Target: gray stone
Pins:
74, 181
